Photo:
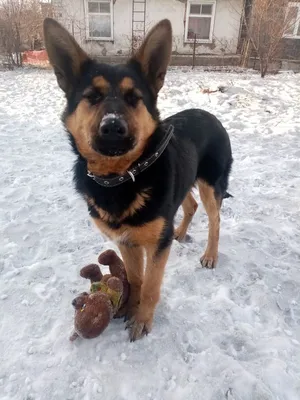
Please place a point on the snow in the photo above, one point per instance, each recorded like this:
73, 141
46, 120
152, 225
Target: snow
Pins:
231, 333
108, 116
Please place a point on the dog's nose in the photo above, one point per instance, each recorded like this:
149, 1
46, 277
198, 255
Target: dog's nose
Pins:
113, 127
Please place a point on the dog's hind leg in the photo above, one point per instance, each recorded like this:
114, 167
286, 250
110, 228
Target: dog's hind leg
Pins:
189, 206
212, 205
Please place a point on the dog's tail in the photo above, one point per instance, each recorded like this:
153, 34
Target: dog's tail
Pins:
227, 195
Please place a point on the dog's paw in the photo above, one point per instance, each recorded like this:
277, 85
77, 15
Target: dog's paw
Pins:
179, 234
122, 313
138, 329
131, 310
209, 260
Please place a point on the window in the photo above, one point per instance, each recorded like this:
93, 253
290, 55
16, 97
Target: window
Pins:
99, 22
292, 21
200, 17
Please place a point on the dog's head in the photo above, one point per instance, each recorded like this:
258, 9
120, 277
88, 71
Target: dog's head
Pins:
111, 110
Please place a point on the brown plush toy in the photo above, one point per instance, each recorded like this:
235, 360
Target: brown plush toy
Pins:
108, 296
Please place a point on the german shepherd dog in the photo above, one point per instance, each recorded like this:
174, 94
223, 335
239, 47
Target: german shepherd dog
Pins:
133, 169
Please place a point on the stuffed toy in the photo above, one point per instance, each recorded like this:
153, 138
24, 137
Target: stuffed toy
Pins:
107, 298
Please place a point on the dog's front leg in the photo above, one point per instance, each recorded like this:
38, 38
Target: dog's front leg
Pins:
141, 322
133, 258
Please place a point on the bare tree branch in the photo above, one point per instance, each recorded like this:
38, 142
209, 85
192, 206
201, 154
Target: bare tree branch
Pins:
21, 26
265, 28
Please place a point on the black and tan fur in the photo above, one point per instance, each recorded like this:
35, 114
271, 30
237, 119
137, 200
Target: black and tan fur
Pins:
139, 215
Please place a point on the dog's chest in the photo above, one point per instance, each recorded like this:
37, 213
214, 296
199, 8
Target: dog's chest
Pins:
128, 235
119, 230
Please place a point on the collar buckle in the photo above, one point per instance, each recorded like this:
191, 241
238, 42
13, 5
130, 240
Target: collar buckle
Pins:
131, 175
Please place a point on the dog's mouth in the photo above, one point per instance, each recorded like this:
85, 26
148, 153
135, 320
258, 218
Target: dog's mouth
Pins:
113, 153
113, 148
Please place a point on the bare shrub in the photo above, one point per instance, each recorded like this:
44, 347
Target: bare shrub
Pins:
266, 25
21, 27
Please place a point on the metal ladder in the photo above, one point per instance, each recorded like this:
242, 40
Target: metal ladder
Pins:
138, 23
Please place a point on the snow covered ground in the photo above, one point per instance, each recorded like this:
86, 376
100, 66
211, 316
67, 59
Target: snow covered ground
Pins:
232, 333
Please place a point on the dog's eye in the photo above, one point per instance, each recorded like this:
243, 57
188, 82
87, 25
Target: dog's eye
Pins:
94, 97
131, 98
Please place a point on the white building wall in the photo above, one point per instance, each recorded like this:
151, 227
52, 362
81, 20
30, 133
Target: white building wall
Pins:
72, 15
226, 25
225, 34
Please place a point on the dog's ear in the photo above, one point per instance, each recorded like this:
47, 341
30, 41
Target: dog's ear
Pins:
65, 55
155, 53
